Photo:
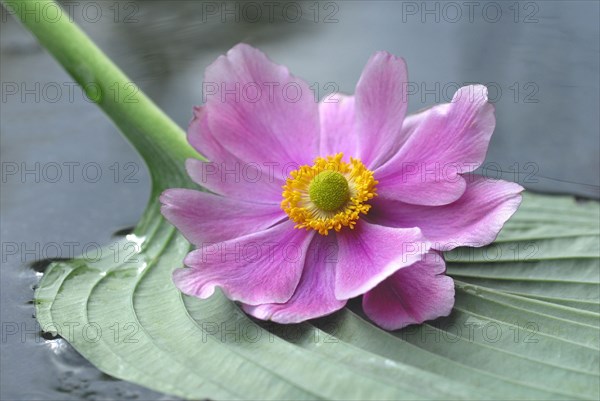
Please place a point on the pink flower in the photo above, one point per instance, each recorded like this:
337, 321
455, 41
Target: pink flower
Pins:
312, 204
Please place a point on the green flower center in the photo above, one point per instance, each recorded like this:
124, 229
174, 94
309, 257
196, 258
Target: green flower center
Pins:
329, 191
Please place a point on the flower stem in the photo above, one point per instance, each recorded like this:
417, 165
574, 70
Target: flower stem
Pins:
161, 142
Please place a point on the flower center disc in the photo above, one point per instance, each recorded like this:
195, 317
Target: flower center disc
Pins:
329, 195
329, 191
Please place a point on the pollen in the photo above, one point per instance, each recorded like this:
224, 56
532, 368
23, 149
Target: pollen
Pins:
329, 195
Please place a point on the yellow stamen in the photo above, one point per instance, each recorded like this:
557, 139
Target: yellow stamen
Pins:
329, 195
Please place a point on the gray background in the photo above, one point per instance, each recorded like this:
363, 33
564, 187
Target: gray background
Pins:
540, 59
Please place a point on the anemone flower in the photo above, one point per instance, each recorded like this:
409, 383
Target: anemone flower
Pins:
311, 204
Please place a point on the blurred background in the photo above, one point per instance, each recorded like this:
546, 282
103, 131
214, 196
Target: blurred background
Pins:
71, 183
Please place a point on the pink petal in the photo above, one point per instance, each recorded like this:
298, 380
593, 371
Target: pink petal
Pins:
259, 111
380, 108
204, 217
445, 141
338, 132
203, 140
473, 220
227, 175
412, 295
370, 253
239, 180
263, 267
314, 296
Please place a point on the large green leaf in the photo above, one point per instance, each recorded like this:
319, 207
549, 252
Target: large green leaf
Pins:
525, 324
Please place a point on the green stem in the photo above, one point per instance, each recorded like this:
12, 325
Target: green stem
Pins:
158, 139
